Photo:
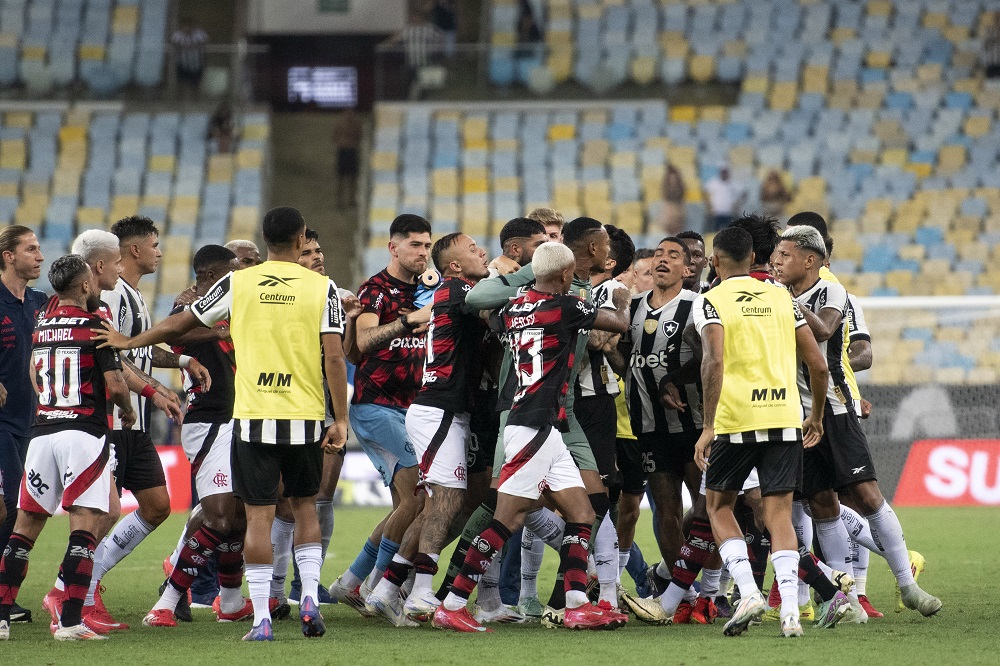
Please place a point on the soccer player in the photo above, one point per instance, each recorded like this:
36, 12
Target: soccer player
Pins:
540, 327
438, 421
207, 436
246, 252
68, 455
278, 430
841, 462
696, 247
642, 269
20, 262
389, 353
752, 418
137, 465
552, 220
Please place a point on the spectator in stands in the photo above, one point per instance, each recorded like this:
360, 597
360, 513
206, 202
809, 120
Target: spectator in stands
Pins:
991, 47
529, 35
444, 15
189, 53
420, 40
724, 197
551, 219
220, 128
347, 130
672, 218
774, 195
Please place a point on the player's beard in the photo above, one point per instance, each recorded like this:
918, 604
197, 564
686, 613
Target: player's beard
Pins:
93, 302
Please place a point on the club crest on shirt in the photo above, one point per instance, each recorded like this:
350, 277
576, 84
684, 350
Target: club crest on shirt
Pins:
669, 327
649, 326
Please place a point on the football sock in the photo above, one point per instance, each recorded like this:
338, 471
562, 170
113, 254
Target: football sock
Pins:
812, 575
282, 538
259, 586
489, 587
835, 542
557, 599
124, 537
606, 560
734, 554
194, 516
309, 557
532, 554
77, 567
858, 527
861, 570
483, 549
573, 563
324, 509
547, 526
386, 549
394, 577
623, 558
426, 566
193, 556
362, 565
724, 579
887, 533
786, 566
13, 568
710, 583
759, 547
802, 522
663, 571
230, 573
474, 526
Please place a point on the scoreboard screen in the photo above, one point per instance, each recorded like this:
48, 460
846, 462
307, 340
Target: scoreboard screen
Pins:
330, 87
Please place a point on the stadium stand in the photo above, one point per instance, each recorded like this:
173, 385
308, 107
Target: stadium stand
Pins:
106, 44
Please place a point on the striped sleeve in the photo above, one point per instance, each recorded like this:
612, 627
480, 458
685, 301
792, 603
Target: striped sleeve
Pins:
333, 312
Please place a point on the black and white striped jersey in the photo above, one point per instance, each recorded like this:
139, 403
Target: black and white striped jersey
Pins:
839, 399
130, 317
596, 376
657, 349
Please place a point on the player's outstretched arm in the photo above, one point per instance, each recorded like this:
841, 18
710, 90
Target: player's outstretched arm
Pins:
491, 293
819, 375
712, 374
119, 394
617, 321
371, 337
167, 330
824, 324
336, 379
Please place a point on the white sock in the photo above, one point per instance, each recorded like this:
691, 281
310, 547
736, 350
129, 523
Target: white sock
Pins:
407, 587
230, 599
453, 602
887, 534
623, 558
324, 508
827, 571
424, 583
532, 554
60, 584
672, 598
606, 560
857, 527
547, 526
309, 557
786, 567
180, 544
124, 537
710, 583
576, 598
861, 571
802, 522
386, 590
349, 580
724, 580
489, 586
836, 544
259, 586
664, 571
282, 538
734, 553
374, 577
168, 600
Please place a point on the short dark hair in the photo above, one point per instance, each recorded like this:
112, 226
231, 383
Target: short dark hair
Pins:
134, 226
312, 235
575, 231
520, 227
643, 253
440, 247
736, 243
828, 241
691, 234
211, 255
810, 219
407, 224
679, 241
66, 270
282, 225
622, 249
764, 231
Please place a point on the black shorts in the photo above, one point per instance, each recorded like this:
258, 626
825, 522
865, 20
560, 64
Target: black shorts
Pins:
484, 426
347, 161
258, 469
669, 452
633, 466
778, 463
598, 418
841, 457
137, 464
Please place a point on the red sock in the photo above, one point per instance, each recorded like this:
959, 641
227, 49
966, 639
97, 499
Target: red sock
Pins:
77, 568
573, 556
193, 556
696, 550
13, 569
481, 552
425, 564
230, 554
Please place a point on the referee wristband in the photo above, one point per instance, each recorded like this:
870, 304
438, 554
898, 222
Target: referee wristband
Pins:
147, 391
183, 361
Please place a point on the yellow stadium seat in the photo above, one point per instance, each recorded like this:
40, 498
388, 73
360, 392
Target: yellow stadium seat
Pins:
902, 281
90, 217
784, 96
506, 145
643, 69
255, 132
920, 169
33, 52
674, 44
815, 78
977, 126
561, 132
838, 35
756, 84
929, 73
935, 20
869, 99
22, 119
879, 59
504, 39
701, 68
8, 40
507, 184
735, 48
162, 163
249, 158
895, 156
683, 114
879, 8
715, 112
8, 189
220, 169
384, 161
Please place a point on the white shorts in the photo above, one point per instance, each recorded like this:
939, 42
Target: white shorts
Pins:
70, 466
532, 465
208, 447
439, 440
751, 482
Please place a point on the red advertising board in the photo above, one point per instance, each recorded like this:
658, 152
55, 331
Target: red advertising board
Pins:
178, 473
951, 472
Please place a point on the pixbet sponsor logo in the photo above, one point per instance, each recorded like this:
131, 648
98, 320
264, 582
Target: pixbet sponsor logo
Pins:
951, 472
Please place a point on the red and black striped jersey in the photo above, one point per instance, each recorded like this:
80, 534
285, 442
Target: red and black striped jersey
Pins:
541, 330
393, 375
219, 358
69, 372
453, 361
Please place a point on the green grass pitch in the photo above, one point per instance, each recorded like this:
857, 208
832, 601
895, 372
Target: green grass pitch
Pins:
958, 544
